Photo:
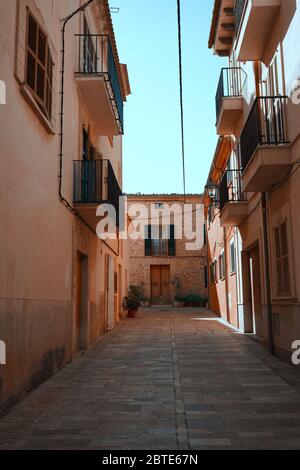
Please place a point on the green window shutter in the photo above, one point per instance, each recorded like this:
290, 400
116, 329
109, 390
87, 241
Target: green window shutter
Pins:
172, 242
148, 241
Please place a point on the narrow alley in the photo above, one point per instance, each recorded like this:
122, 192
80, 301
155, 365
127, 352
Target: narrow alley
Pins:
164, 380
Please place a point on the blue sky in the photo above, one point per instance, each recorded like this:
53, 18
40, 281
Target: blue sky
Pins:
146, 33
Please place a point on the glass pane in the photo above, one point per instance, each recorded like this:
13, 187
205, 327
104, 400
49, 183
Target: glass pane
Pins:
32, 33
156, 247
30, 78
42, 47
164, 247
40, 86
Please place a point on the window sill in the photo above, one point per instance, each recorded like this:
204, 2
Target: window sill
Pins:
31, 101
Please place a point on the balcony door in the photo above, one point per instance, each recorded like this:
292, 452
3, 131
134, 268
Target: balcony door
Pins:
88, 169
272, 108
160, 285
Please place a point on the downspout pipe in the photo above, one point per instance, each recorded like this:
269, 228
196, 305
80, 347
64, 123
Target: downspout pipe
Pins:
267, 273
61, 132
62, 93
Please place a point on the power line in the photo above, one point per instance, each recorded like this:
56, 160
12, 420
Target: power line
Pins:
181, 94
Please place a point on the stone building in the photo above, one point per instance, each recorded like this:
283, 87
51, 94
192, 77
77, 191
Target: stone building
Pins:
253, 187
60, 286
166, 267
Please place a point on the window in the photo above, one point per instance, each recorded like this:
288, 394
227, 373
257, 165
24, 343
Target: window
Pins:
222, 271
89, 53
282, 259
232, 257
213, 272
88, 151
205, 277
204, 234
158, 245
115, 282
210, 214
39, 66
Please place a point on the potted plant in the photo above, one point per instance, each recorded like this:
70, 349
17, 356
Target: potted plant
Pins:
133, 300
195, 300
179, 301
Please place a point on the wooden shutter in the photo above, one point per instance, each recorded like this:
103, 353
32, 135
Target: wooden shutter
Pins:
205, 277
148, 241
31, 52
282, 259
39, 66
85, 145
171, 242
204, 234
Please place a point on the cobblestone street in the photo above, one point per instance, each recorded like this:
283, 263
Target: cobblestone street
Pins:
165, 380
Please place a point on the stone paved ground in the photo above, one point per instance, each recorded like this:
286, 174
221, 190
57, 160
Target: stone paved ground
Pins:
165, 380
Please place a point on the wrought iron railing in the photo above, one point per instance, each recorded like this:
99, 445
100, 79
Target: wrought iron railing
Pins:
238, 13
231, 84
264, 126
230, 190
95, 183
96, 58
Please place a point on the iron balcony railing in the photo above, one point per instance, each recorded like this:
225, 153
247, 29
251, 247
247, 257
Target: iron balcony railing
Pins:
230, 189
238, 13
95, 183
96, 58
231, 84
264, 126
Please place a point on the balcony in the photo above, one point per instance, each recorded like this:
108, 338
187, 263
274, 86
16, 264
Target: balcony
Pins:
94, 183
264, 147
229, 99
254, 23
233, 204
98, 83
222, 28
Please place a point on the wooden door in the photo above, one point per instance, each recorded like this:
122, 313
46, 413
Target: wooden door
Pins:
160, 285
81, 334
111, 294
78, 303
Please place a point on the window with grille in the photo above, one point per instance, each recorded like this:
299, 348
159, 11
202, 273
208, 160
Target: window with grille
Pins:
282, 259
39, 66
222, 265
213, 272
232, 257
89, 51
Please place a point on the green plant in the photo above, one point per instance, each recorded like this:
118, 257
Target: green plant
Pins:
192, 299
134, 298
180, 298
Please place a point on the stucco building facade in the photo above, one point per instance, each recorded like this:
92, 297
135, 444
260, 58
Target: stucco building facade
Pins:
167, 268
61, 156
253, 185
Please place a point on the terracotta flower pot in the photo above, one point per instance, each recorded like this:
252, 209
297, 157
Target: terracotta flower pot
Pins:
131, 313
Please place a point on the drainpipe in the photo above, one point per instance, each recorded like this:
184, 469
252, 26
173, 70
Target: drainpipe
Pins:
267, 273
66, 203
